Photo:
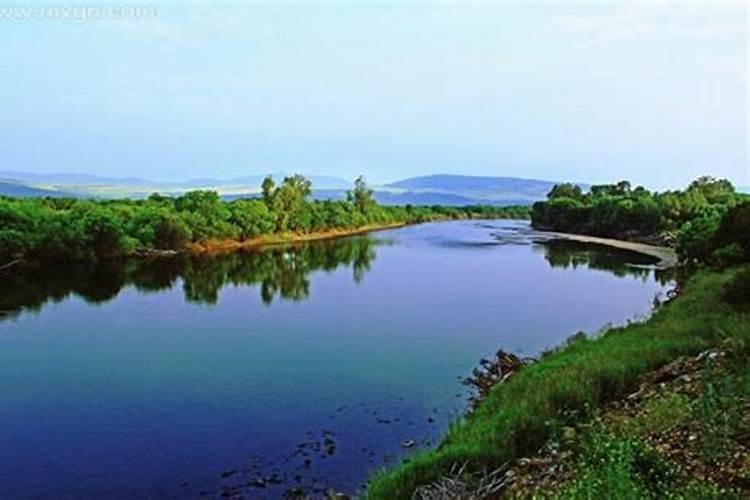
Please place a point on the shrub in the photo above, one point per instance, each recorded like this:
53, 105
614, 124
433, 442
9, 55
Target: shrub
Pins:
737, 291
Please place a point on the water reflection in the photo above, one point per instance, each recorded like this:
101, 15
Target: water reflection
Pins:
569, 254
277, 271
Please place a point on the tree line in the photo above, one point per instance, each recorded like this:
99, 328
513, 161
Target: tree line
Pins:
708, 222
70, 229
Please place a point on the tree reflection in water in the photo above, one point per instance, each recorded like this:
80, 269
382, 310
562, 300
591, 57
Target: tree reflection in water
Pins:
279, 271
568, 254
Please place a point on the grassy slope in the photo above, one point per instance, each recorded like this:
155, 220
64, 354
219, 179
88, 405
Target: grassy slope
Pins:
647, 452
520, 415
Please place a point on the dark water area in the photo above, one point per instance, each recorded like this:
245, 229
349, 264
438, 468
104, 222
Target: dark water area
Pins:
304, 366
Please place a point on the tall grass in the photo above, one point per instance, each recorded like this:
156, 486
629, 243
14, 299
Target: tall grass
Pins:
519, 416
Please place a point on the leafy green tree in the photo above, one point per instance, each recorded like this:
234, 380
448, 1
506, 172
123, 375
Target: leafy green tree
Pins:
695, 242
289, 200
714, 190
734, 229
362, 196
252, 217
103, 231
267, 188
566, 190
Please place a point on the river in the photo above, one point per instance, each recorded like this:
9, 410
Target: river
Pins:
307, 366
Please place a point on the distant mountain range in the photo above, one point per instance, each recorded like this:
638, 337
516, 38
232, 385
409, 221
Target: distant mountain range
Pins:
90, 180
14, 188
476, 188
452, 190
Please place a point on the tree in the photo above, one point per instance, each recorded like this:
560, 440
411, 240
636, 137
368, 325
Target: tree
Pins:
566, 190
361, 196
288, 200
252, 217
735, 229
695, 240
713, 190
622, 188
268, 187
104, 231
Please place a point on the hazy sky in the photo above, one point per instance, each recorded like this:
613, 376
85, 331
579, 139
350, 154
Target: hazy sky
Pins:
654, 92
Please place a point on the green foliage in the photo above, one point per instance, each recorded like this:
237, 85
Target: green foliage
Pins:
63, 229
622, 468
737, 291
566, 190
719, 236
362, 196
695, 240
658, 415
711, 222
717, 412
735, 229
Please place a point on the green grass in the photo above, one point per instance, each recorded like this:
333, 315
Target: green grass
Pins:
519, 416
718, 409
658, 415
614, 466
619, 467
616, 462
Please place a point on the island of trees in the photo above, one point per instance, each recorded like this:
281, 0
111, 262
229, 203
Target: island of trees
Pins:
70, 229
703, 222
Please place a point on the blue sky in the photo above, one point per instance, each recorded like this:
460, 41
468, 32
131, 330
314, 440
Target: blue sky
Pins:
654, 92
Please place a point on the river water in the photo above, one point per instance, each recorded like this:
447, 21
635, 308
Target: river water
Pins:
303, 366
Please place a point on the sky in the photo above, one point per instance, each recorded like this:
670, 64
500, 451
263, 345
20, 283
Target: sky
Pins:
592, 91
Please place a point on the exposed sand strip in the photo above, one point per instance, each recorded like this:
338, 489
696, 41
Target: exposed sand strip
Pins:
667, 256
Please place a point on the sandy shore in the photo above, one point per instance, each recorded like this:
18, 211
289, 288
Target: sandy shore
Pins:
667, 256
221, 246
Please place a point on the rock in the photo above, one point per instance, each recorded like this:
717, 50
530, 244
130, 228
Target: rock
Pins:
336, 495
257, 483
408, 443
294, 492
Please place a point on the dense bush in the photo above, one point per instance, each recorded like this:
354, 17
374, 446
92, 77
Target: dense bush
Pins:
695, 216
45, 229
737, 291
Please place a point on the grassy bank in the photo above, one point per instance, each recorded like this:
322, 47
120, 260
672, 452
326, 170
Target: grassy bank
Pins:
685, 434
566, 386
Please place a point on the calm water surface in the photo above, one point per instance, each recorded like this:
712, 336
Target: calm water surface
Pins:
300, 365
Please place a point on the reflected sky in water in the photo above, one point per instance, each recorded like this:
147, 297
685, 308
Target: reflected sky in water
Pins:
155, 378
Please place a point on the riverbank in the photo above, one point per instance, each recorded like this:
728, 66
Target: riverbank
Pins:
541, 402
211, 247
683, 433
229, 245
